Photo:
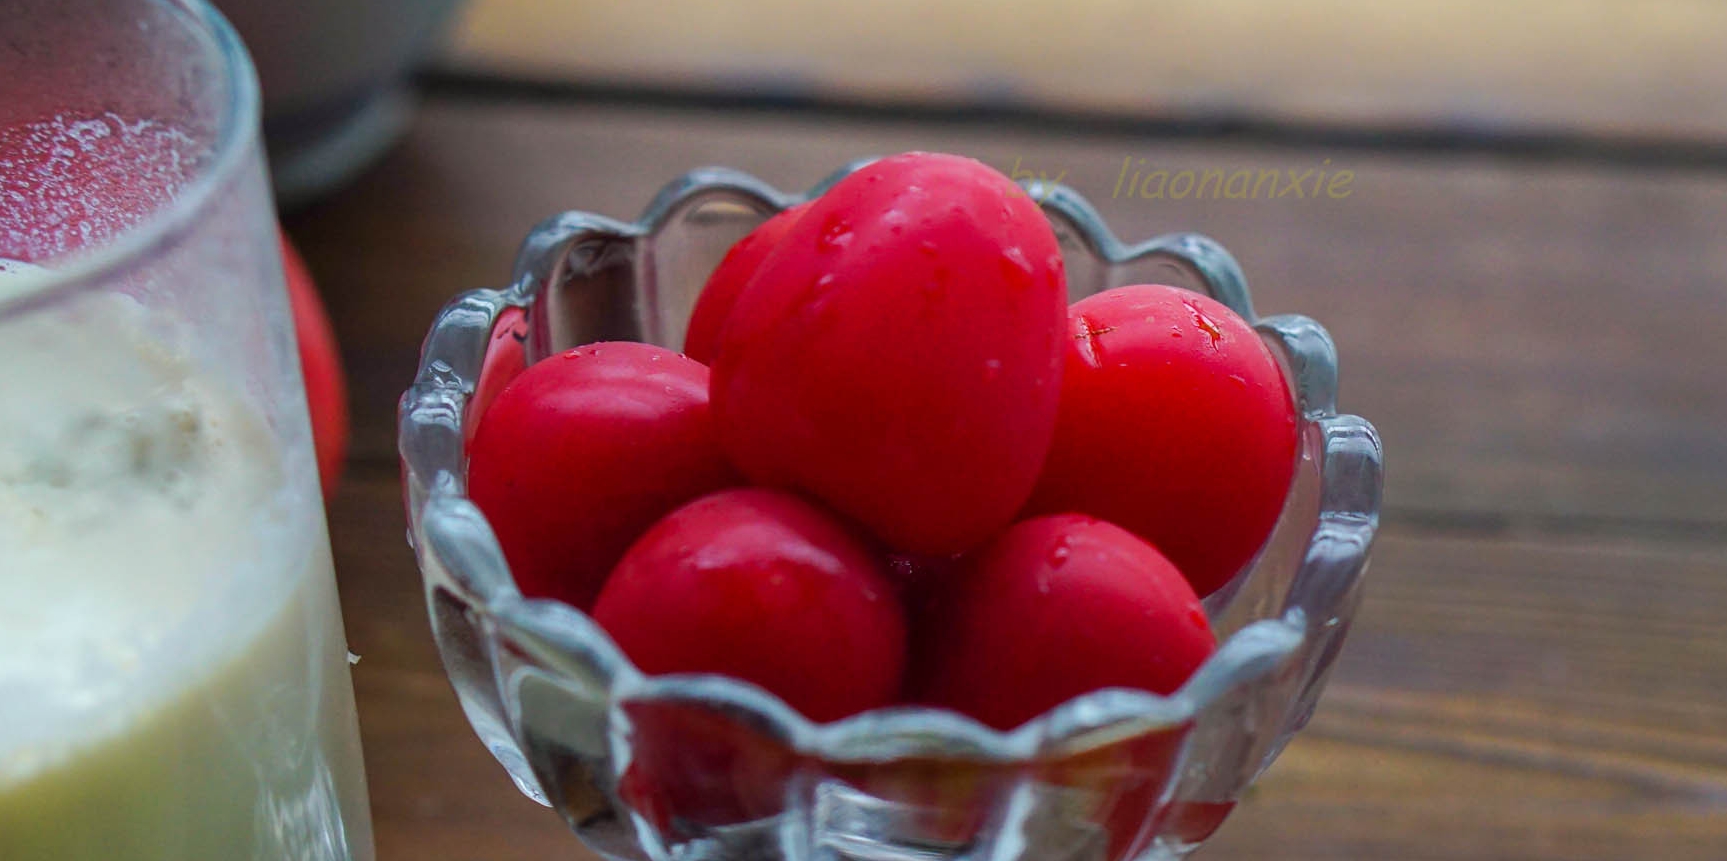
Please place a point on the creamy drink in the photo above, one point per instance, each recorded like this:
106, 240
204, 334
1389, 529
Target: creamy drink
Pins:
173, 677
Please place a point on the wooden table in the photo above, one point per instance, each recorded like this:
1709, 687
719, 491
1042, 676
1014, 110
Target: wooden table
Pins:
1621, 68
1540, 668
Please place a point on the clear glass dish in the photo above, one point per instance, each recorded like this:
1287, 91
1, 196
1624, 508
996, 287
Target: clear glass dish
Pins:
709, 767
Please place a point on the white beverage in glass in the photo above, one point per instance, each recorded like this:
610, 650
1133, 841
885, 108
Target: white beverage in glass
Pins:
174, 681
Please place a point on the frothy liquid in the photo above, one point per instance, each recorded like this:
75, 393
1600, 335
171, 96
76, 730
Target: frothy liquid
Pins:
173, 677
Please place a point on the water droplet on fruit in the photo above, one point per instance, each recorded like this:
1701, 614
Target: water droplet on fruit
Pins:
991, 370
1239, 380
835, 235
1058, 554
928, 248
821, 305
1206, 323
1015, 269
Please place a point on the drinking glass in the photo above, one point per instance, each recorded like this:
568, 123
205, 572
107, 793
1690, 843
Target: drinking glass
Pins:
174, 681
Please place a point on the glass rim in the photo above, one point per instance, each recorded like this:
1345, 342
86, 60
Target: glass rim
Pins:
237, 132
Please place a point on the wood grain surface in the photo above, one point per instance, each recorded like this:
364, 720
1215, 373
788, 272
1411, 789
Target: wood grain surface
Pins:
1614, 68
1540, 668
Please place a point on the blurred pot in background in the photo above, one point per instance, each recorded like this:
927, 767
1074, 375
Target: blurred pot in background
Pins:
335, 80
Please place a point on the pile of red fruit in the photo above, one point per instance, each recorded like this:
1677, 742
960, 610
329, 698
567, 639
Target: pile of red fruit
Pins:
895, 466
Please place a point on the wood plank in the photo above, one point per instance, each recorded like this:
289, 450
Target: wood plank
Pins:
1607, 67
1537, 342
436, 793
1370, 799
1578, 628
1549, 700
1513, 699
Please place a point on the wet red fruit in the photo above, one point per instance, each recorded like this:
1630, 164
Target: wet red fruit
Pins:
898, 353
762, 586
702, 341
1053, 608
505, 360
320, 366
583, 452
1176, 424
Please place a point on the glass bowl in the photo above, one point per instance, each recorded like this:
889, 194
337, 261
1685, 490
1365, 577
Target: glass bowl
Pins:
702, 766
